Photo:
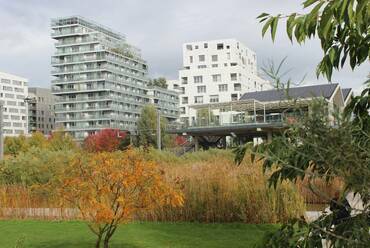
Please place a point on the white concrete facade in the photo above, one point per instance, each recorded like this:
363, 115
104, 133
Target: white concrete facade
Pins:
215, 71
13, 91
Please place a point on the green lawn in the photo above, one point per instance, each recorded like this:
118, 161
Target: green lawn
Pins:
135, 235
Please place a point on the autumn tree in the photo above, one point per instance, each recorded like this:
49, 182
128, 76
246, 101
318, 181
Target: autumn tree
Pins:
107, 140
110, 188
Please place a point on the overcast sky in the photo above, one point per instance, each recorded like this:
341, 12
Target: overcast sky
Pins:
158, 28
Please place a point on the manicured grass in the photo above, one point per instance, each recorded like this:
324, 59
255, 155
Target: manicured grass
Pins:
136, 235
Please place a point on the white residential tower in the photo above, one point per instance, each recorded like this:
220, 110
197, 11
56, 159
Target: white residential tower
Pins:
215, 71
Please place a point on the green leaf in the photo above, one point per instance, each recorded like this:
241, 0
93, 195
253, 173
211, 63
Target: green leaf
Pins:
266, 26
274, 27
308, 3
290, 25
332, 54
263, 15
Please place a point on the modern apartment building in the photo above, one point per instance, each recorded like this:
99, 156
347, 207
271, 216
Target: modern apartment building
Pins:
100, 80
40, 110
167, 102
215, 71
13, 91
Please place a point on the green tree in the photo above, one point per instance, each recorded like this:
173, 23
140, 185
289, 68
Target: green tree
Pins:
60, 140
341, 25
159, 82
311, 148
147, 128
15, 145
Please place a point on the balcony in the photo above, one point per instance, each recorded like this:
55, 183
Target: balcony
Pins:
85, 40
58, 62
67, 32
125, 99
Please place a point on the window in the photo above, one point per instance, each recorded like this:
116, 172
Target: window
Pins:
182, 90
202, 66
182, 110
237, 87
184, 100
225, 64
227, 47
222, 87
202, 58
214, 58
205, 45
233, 64
9, 95
215, 65
7, 88
201, 89
184, 80
234, 76
228, 55
220, 46
5, 81
234, 97
191, 59
216, 78
16, 82
198, 79
213, 98
196, 46
189, 47
198, 99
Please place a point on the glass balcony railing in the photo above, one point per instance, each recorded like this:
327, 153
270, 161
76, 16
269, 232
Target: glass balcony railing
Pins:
126, 99
75, 42
66, 60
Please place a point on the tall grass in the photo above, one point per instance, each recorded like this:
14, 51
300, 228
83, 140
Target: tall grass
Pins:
215, 190
218, 191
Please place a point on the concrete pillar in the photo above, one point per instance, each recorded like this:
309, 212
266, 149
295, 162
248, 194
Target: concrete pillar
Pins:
196, 143
269, 136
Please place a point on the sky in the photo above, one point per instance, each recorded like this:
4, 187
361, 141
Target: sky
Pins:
159, 28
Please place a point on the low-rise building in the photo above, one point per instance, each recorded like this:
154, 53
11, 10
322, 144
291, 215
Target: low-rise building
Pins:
259, 114
40, 110
13, 91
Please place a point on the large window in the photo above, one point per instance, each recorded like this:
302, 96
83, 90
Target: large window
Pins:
222, 87
237, 87
202, 58
216, 78
198, 99
198, 79
220, 46
184, 80
201, 89
184, 100
213, 98
234, 76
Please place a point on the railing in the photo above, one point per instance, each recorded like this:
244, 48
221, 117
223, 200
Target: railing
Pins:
72, 42
232, 121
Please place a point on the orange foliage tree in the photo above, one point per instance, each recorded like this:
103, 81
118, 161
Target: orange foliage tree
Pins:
110, 188
107, 140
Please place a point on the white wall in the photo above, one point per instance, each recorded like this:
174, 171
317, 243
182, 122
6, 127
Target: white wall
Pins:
13, 90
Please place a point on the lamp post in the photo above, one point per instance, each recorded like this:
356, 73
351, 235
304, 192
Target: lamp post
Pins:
1, 131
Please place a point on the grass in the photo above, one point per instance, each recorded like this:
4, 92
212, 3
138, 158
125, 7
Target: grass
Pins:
56, 234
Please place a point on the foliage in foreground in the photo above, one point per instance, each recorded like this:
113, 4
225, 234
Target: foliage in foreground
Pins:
106, 140
313, 148
110, 188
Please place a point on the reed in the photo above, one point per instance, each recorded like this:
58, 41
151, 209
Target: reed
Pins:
215, 190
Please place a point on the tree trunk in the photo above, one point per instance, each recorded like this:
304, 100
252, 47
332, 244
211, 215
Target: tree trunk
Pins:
97, 244
106, 242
